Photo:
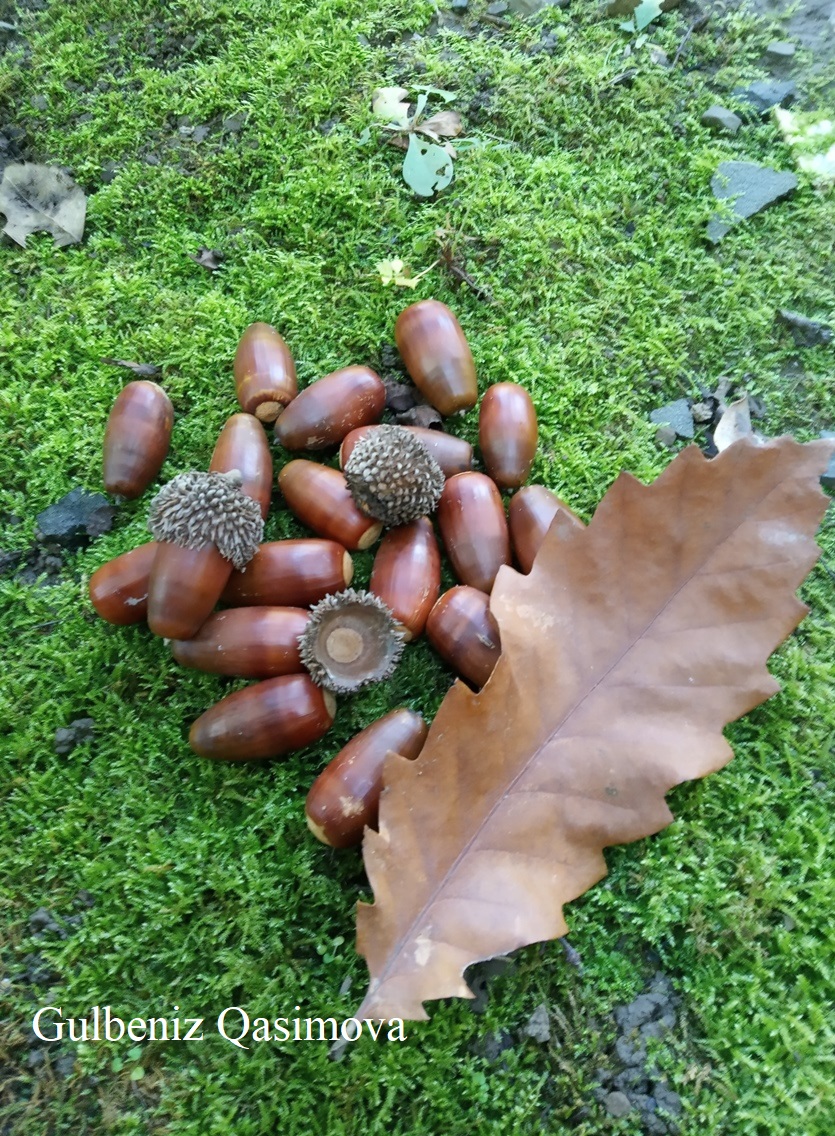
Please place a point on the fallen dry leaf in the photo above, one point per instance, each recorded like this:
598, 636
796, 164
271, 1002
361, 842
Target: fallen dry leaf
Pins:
625, 651
387, 104
734, 424
143, 370
445, 124
37, 199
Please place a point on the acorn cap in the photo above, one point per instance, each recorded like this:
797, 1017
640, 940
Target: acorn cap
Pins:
351, 640
393, 477
196, 508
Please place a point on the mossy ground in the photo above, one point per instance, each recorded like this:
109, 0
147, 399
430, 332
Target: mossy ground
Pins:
583, 214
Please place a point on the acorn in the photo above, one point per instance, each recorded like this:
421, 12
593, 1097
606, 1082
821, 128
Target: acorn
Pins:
290, 573
452, 454
345, 796
437, 356
531, 512
463, 631
265, 374
119, 589
507, 434
393, 477
136, 438
330, 408
407, 574
243, 445
265, 720
351, 640
206, 527
249, 642
473, 528
319, 496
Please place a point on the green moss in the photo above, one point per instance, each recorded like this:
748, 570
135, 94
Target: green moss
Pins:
582, 212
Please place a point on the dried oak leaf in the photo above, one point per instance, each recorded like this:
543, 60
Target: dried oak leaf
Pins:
38, 198
625, 651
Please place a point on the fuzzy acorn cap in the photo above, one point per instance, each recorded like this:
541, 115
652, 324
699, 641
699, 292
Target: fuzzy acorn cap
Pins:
393, 477
195, 508
351, 640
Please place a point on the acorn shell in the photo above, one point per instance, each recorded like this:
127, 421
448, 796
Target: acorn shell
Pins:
345, 796
243, 445
250, 642
407, 574
265, 374
265, 720
473, 527
119, 589
437, 356
463, 631
319, 496
330, 408
136, 438
507, 434
291, 573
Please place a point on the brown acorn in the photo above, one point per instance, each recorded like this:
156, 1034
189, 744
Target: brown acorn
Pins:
531, 512
437, 356
119, 589
474, 529
465, 634
507, 434
185, 585
265, 720
330, 408
407, 574
243, 445
345, 796
452, 454
137, 437
290, 573
265, 374
250, 642
321, 499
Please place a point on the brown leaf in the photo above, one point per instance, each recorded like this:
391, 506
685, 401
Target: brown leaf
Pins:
625, 651
143, 370
445, 124
38, 198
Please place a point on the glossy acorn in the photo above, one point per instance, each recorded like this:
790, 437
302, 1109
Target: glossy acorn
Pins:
452, 454
321, 499
507, 434
265, 374
473, 527
330, 408
136, 438
531, 512
437, 356
119, 589
407, 574
185, 586
243, 445
345, 796
465, 634
267, 719
291, 573
248, 642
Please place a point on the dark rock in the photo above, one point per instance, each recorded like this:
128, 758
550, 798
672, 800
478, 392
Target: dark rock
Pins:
604, 1076
35, 1058
234, 123
64, 1064
629, 1054
750, 187
109, 171
479, 977
401, 397
721, 119
39, 102
632, 1081
538, 1025
40, 565
654, 1029
460, 5
200, 133
68, 737
495, 1044
666, 436
617, 1104
642, 1010
666, 1099
780, 50
828, 476
41, 919
76, 519
497, 9
767, 93
676, 414
805, 332
86, 897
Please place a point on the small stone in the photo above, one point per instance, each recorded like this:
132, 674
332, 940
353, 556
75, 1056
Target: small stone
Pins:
495, 1044
751, 188
76, 519
497, 9
64, 1065
805, 332
780, 50
538, 1025
767, 93
39, 102
460, 5
666, 436
666, 1099
41, 919
201, 133
68, 737
631, 1055
234, 123
617, 1104
400, 397
828, 476
109, 171
721, 120
676, 414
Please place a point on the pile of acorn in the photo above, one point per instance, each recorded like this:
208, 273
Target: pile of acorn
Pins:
290, 618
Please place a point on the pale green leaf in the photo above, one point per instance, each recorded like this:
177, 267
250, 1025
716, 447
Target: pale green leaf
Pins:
427, 168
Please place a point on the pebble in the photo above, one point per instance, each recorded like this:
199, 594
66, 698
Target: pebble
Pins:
460, 5
538, 1025
76, 519
721, 119
68, 737
780, 50
497, 9
751, 186
767, 93
677, 415
617, 1104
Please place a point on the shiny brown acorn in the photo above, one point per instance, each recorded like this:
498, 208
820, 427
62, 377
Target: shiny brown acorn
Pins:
291, 573
507, 434
531, 512
465, 634
265, 720
473, 528
437, 356
265, 374
345, 796
243, 445
330, 408
119, 589
136, 438
249, 642
320, 498
452, 454
185, 586
407, 574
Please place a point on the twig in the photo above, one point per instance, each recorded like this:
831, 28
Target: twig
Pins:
496, 21
696, 26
